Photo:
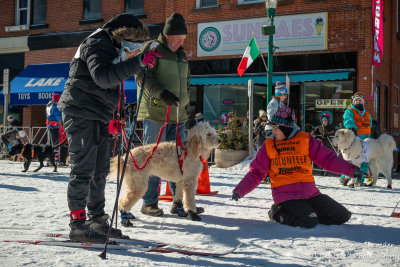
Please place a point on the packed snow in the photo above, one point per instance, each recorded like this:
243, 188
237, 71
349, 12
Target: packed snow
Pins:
35, 203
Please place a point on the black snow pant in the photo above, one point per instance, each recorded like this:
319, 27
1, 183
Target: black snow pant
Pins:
53, 136
309, 212
89, 149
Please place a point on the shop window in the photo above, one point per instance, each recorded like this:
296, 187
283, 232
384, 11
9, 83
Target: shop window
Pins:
30, 12
386, 108
206, 3
92, 9
377, 101
135, 7
222, 99
325, 97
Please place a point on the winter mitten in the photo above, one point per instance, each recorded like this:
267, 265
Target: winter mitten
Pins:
169, 98
235, 196
149, 58
358, 173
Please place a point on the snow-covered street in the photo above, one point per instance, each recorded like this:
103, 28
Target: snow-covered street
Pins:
34, 203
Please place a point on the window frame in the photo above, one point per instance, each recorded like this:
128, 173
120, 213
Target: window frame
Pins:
32, 10
377, 101
198, 4
246, 2
18, 9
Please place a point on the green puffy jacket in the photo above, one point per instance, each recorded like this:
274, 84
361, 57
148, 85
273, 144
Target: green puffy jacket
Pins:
170, 72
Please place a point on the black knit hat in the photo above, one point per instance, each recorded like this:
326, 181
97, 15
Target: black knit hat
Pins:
175, 25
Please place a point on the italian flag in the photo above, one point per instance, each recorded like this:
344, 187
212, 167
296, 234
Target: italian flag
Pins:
249, 56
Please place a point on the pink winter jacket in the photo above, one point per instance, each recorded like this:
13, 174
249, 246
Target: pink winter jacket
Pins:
319, 154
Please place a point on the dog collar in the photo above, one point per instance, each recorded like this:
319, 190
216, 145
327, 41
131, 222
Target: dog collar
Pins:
345, 149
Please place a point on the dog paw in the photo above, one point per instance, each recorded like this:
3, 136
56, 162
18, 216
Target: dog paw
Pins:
182, 213
194, 216
199, 210
23, 170
55, 171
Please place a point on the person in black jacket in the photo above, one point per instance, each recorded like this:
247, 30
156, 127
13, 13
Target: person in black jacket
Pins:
11, 137
259, 125
87, 104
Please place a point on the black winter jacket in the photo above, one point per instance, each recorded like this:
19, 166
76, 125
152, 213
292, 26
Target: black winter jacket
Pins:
91, 91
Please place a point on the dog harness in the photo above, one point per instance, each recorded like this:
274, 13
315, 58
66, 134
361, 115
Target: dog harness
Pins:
32, 150
180, 151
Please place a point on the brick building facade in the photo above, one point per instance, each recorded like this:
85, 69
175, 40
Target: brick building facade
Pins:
348, 49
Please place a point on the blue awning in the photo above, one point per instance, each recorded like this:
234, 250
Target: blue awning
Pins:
36, 84
300, 77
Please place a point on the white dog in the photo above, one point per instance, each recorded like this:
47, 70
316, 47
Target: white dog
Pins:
202, 138
377, 152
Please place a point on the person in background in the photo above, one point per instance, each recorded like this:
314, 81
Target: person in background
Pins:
199, 117
259, 126
11, 137
167, 84
90, 98
357, 119
277, 101
53, 122
324, 131
286, 156
233, 119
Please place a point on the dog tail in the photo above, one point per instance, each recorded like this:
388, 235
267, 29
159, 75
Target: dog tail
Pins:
387, 142
113, 175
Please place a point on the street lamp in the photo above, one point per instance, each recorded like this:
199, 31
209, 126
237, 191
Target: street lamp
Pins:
270, 31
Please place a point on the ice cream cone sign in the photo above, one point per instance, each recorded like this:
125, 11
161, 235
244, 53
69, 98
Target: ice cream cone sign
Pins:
319, 24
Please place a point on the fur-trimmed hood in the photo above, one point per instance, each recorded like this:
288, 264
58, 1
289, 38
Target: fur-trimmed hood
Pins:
125, 27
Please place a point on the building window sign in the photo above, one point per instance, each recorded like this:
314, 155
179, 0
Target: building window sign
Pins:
377, 19
39, 82
305, 32
332, 103
224, 117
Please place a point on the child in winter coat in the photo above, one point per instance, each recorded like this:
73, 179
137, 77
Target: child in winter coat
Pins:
286, 156
277, 101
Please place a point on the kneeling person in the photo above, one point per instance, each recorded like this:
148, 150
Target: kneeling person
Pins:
286, 156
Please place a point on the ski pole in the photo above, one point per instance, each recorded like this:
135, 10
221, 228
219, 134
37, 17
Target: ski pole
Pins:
103, 255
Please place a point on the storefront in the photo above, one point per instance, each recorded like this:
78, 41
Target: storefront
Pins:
320, 83
36, 84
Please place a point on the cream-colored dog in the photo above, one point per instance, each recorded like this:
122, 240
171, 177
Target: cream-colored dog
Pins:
202, 138
377, 152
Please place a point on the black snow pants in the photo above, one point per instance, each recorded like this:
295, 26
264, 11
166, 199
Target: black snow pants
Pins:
89, 148
309, 212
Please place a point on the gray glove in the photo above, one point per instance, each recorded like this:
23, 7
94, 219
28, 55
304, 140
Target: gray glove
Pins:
358, 173
235, 196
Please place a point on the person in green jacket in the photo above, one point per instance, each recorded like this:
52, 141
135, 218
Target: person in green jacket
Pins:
166, 83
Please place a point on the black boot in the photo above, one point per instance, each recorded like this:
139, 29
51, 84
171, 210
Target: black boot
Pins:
152, 210
81, 232
273, 212
178, 204
99, 223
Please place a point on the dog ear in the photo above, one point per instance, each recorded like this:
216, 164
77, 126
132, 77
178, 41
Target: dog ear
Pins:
195, 145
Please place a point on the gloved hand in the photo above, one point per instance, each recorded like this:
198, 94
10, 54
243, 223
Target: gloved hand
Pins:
149, 58
169, 98
235, 196
358, 173
354, 130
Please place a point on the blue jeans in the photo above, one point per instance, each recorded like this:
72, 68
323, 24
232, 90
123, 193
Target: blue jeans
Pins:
151, 130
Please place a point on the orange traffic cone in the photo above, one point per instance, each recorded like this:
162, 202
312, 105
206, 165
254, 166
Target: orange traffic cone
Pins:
168, 195
203, 185
167, 190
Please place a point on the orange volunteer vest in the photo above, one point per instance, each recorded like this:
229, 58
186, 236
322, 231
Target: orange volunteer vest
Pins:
293, 163
363, 123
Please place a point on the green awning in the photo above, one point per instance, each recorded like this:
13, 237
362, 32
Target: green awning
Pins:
303, 77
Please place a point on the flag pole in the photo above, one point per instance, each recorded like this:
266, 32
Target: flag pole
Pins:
262, 57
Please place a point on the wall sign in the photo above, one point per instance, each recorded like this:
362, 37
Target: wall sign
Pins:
331, 103
303, 32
